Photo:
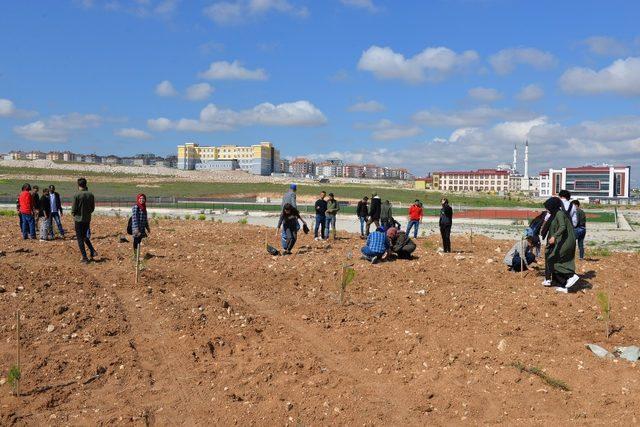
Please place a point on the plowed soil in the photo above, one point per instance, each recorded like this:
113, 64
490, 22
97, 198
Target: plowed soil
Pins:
218, 332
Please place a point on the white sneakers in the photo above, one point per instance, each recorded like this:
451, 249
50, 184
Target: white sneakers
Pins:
546, 283
572, 281
562, 290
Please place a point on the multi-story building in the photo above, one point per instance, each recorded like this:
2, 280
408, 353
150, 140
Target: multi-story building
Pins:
592, 182
302, 167
285, 166
353, 171
54, 156
259, 159
373, 172
330, 169
423, 183
111, 160
16, 155
36, 155
481, 180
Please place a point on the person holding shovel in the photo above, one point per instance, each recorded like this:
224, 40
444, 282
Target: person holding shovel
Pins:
139, 222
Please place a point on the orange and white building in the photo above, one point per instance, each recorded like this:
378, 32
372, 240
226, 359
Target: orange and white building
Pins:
481, 180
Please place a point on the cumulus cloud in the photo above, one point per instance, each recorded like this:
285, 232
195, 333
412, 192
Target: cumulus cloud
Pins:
223, 70
199, 91
432, 64
57, 128
530, 92
366, 107
237, 12
213, 119
133, 133
606, 46
166, 89
8, 109
367, 5
621, 77
468, 118
485, 94
506, 60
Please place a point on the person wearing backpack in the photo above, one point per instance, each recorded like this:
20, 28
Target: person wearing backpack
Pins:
568, 207
581, 227
139, 221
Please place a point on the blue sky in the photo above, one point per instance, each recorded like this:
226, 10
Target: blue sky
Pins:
429, 85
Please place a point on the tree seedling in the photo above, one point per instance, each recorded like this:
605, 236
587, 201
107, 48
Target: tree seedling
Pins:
605, 309
13, 378
348, 274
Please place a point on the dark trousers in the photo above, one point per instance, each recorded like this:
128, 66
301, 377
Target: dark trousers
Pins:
581, 232
136, 241
560, 279
320, 226
55, 216
82, 229
517, 263
289, 238
445, 232
375, 221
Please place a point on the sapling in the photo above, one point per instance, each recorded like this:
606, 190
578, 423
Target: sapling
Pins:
605, 308
202, 217
13, 378
348, 274
243, 221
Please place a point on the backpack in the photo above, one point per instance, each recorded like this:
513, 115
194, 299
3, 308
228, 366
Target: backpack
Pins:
535, 225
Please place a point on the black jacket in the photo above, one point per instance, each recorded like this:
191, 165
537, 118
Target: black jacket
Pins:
403, 246
44, 206
446, 215
321, 207
374, 210
362, 211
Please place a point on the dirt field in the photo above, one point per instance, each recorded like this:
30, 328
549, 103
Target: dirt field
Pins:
219, 332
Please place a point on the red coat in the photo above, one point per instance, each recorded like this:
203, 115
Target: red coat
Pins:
26, 203
415, 213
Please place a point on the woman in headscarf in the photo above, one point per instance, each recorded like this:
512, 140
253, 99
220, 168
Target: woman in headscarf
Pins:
290, 226
560, 252
139, 223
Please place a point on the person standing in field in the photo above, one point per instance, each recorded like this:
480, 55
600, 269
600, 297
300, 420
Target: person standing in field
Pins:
362, 211
44, 213
446, 220
374, 212
290, 196
81, 209
27, 210
321, 209
139, 221
415, 216
568, 207
35, 201
56, 211
330, 216
386, 215
560, 252
581, 227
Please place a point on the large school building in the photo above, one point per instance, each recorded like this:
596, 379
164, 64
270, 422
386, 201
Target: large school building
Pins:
258, 159
592, 182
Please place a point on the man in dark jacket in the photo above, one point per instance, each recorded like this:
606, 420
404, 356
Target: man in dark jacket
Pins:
82, 208
321, 209
446, 219
362, 211
374, 212
56, 211
581, 227
401, 244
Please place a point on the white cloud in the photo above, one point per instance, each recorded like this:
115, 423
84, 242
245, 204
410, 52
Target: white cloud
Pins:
237, 12
485, 94
386, 130
166, 89
57, 128
212, 119
141, 8
432, 64
8, 109
468, 118
133, 133
606, 46
367, 107
199, 91
530, 92
621, 77
368, 5
506, 60
223, 70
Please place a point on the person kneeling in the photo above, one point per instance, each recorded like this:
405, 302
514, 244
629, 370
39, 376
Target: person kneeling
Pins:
377, 246
401, 244
514, 259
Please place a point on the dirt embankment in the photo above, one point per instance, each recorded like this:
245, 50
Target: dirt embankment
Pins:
220, 330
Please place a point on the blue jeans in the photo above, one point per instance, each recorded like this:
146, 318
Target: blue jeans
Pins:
581, 232
55, 216
320, 225
363, 223
411, 224
330, 223
28, 226
288, 237
366, 251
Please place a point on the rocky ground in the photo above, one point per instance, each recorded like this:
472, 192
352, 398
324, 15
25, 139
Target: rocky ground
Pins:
218, 331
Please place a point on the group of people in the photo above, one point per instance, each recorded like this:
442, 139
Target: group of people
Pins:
563, 225
46, 209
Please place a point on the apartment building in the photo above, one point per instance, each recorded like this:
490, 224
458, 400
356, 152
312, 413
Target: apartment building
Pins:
481, 180
258, 159
302, 167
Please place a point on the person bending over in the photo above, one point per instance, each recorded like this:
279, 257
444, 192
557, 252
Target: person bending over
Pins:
514, 259
401, 245
289, 223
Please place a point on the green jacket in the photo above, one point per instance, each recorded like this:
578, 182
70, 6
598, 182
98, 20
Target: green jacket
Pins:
332, 207
386, 211
563, 253
83, 206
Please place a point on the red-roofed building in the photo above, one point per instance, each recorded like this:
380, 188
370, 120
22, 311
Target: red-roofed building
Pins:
481, 180
592, 182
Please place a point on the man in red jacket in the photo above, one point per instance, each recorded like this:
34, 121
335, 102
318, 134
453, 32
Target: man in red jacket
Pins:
27, 209
415, 216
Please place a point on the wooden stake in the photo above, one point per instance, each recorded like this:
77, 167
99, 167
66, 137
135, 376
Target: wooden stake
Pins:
138, 261
18, 351
522, 259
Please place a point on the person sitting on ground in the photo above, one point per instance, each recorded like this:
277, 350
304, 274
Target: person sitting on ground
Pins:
44, 213
581, 228
376, 247
330, 216
514, 259
139, 221
290, 226
560, 252
362, 212
401, 244
290, 196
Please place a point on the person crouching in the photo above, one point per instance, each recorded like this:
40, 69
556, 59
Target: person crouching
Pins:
515, 259
290, 226
401, 244
376, 247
